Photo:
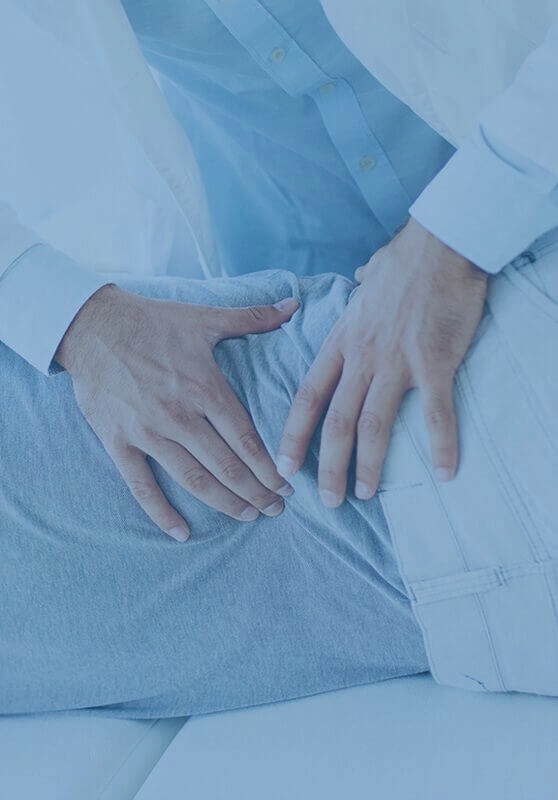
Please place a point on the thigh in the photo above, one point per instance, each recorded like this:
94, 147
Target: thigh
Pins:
479, 554
102, 610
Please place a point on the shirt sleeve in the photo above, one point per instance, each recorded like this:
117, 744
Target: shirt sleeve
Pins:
499, 192
41, 291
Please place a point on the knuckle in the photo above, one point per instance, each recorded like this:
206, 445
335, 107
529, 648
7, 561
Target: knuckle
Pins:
306, 399
255, 313
142, 490
289, 438
291, 443
174, 410
218, 406
200, 391
147, 437
252, 444
439, 417
336, 423
361, 349
196, 480
370, 425
232, 469
145, 433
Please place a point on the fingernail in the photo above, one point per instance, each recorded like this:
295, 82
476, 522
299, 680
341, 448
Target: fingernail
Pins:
443, 474
180, 534
286, 467
362, 491
285, 491
274, 509
288, 304
250, 514
330, 499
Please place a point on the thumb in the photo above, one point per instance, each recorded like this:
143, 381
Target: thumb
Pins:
360, 272
254, 319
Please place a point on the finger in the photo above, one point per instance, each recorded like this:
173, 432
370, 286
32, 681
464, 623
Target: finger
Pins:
308, 405
230, 419
359, 274
374, 430
139, 478
441, 421
199, 482
338, 433
208, 446
253, 319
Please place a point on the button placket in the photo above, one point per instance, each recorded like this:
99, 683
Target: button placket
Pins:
298, 74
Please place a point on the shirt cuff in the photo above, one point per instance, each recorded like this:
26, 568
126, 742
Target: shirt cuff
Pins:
485, 208
15, 238
40, 294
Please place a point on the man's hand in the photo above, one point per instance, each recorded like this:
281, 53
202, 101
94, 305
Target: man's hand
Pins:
408, 325
146, 381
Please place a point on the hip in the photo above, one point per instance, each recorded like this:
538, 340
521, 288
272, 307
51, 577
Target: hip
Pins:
479, 555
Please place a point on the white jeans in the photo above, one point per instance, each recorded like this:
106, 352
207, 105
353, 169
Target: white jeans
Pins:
479, 555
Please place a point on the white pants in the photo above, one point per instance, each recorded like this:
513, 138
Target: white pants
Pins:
482, 575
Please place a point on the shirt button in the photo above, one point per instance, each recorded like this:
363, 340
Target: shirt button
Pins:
327, 88
277, 55
366, 163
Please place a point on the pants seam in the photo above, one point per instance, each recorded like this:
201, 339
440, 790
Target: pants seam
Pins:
451, 528
416, 609
519, 508
523, 381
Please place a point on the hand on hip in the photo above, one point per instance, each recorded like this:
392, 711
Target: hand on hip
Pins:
408, 325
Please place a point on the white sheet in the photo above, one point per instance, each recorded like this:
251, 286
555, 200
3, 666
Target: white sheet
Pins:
403, 739
50, 757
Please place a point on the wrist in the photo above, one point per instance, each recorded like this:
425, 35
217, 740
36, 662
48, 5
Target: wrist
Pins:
92, 317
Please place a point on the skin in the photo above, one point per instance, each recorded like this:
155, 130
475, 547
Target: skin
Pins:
162, 395
408, 325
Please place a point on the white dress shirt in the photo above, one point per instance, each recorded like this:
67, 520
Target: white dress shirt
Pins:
494, 197
485, 75
85, 131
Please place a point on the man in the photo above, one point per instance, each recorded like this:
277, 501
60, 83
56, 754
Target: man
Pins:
308, 163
